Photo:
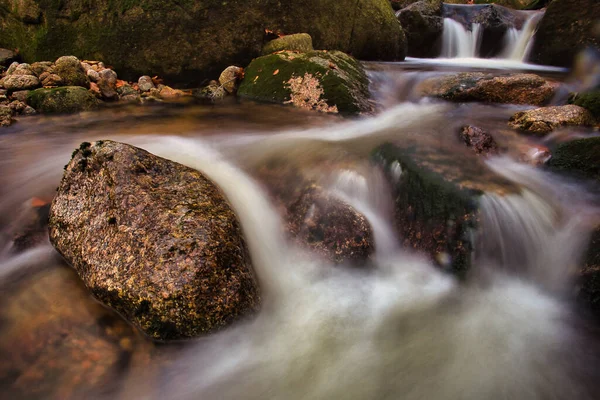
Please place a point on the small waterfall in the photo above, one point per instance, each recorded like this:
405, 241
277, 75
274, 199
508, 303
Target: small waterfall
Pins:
457, 42
518, 43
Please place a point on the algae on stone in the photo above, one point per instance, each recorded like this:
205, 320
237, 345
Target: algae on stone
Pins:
66, 99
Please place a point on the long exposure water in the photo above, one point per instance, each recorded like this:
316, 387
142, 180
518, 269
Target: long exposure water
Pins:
398, 328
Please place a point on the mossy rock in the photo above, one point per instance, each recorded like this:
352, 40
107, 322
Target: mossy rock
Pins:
328, 81
589, 101
193, 41
154, 240
301, 42
436, 197
67, 99
579, 157
568, 27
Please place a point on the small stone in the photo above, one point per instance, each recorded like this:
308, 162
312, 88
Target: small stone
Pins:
17, 106
300, 42
168, 93
7, 57
541, 121
479, 140
229, 78
40, 67
71, 72
20, 82
5, 115
52, 80
86, 67
145, 83
93, 75
23, 69
95, 90
12, 68
29, 111
20, 95
108, 84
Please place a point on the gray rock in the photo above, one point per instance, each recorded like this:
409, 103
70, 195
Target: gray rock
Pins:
12, 68
93, 75
20, 82
23, 69
145, 83
178, 269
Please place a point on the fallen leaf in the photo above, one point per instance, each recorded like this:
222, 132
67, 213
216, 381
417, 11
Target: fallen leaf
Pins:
37, 202
121, 83
276, 72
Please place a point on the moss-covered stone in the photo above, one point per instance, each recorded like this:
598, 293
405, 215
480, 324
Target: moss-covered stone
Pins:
300, 42
154, 240
71, 72
567, 27
67, 99
589, 101
326, 81
437, 200
191, 41
580, 157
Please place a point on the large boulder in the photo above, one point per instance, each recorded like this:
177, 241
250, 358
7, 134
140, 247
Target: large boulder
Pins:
567, 27
437, 199
67, 99
318, 80
192, 41
541, 121
477, 86
154, 240
423, 25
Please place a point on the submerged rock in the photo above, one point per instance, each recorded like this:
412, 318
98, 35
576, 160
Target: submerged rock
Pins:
567, 28
541, 121
437, 200
67, 99
477, 86
319, 80
300, 42
580, 157
314, 218
479, 140
154, 240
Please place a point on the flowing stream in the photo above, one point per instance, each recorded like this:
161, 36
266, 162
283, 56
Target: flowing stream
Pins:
398, 328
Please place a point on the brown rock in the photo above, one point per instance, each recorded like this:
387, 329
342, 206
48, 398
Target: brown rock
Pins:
479, 140
20, 82
154, 240
541, 121
314, 219
230, 77
477, 86
51, 80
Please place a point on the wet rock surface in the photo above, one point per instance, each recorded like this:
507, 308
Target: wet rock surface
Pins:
154, 240
58, 343
436, 200
323, 81
477, 86
314, 218
541, 121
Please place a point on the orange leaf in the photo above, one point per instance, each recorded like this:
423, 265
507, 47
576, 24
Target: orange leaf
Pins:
37, 202
276, 72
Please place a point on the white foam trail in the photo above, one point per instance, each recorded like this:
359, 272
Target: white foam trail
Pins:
23, 262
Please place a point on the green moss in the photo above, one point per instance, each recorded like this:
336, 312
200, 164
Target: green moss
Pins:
580, 157
342, 79
590, 101
66, 99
